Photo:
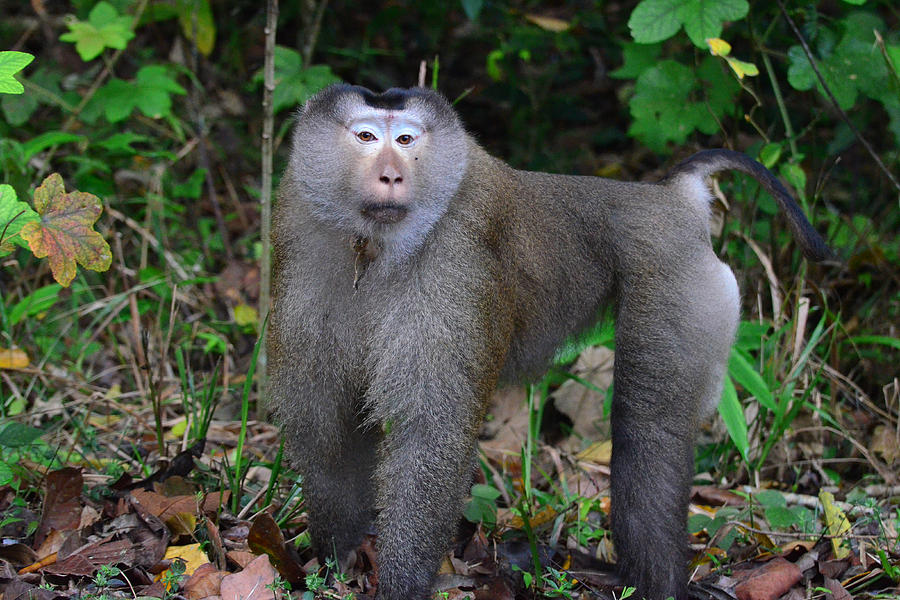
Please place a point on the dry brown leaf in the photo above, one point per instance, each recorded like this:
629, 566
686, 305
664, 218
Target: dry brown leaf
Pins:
240, 557
251, 582
598, 453
837, 590
266, 538
549, 23
205, 582
884, 441
62, 503
165, 507
766, 582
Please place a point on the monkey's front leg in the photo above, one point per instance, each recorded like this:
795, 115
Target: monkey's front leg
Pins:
431, 410
424, 476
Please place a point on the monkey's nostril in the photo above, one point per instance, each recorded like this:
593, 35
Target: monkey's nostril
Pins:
384, 179
398, 180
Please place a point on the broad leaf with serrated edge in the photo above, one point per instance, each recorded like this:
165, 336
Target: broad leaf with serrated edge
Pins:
657, 20
65, 231
11, 62
105, 28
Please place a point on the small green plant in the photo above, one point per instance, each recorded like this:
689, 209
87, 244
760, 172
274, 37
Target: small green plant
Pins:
482, 508
558, 584
279, 585
314, 582
173, 577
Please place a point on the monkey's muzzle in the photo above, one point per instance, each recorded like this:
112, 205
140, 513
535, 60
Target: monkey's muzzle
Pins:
385, 214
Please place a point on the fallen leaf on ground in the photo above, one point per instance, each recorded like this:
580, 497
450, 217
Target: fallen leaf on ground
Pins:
767, 582
205, 582
13, 358
62, 503
265, 537
250, 584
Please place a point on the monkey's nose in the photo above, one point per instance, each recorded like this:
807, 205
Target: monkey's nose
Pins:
390, 176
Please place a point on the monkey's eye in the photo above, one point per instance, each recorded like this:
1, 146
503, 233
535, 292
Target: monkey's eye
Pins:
366, 136
405, 139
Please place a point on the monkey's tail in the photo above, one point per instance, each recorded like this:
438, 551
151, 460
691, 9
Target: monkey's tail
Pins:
709, 162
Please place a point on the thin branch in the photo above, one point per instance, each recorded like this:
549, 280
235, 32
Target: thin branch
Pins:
312, 36
834, 102
265, 267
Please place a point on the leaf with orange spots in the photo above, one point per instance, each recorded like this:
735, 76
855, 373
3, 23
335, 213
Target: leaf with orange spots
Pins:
65, 232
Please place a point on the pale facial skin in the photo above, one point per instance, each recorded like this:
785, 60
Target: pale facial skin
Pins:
385, 143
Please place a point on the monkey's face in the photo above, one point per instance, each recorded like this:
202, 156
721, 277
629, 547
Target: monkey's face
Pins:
384, 144
384, 166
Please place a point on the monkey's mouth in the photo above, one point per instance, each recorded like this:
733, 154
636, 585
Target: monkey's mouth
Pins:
385, 214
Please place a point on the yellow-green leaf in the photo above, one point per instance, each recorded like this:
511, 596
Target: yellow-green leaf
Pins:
13, 358
195, 16
836, 523
245, 315
64, 234
742, 68
719, 47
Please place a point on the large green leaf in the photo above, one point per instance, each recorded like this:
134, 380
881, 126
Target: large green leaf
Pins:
657, 20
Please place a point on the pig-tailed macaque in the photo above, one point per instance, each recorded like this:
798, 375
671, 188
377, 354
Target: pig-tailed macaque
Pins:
413, 272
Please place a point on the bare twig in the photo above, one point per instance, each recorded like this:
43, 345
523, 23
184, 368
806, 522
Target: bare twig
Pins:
312, 34
834, 102
265, 267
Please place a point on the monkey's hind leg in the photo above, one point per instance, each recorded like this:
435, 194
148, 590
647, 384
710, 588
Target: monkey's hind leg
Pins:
672, 346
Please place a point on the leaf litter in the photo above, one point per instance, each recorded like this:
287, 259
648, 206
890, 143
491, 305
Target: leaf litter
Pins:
170, 534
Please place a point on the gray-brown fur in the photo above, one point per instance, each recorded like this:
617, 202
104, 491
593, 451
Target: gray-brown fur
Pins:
488, 273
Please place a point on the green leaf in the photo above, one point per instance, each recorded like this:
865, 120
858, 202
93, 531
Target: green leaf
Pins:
487, 492
11, 62
657, 20
150, 92
741, 371
795, 175
770, 498
105, 28
116, 99
883, 340
6, 474
703, 18
854, 65
17, 109
17, 435
13, 215
636, 58
46, 140
654, 20
732, 414
35, 303
472, 8
780, 517
120, 143
192, 187
770, 153
295, 84
154, 87
661, 108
